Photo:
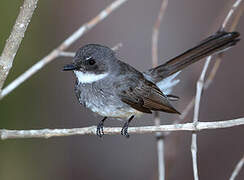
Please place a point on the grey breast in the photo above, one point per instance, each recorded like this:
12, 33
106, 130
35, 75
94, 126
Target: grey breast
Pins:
101, 98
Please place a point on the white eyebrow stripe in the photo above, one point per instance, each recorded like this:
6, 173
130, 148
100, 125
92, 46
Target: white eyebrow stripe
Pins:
89, 77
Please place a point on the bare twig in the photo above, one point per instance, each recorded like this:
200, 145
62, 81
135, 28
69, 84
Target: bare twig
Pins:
15, 38
47, 133
216, 65
66, 54
117, 46
194, 155
230, 14
160, 148
237, 169
161, 159
64, 45
213, 72
156, 33
159, 136
200, 85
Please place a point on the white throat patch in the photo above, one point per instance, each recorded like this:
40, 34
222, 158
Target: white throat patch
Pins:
89, 77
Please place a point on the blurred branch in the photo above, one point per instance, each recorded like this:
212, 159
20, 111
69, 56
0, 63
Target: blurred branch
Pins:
66, 54
159, 136
156, 33
117, 47
212, 73
200, 86
200, 83
237, 168
216, 65
64, 45
230, 14
15, 38
47, 133
161, 159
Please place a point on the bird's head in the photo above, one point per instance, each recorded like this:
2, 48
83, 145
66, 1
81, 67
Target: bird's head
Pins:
92, 62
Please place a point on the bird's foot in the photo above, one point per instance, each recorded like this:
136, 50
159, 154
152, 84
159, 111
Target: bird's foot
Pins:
124, 130
100, 132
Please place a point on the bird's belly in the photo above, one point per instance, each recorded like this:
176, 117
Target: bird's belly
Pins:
104, 102
114, 111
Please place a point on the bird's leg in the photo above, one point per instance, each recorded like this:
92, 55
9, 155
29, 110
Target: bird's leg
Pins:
100, 132
124, 130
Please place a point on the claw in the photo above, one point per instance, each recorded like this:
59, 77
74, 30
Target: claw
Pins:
100, 132
124, 130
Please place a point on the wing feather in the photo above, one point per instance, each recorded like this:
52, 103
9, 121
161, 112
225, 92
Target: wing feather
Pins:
145, 96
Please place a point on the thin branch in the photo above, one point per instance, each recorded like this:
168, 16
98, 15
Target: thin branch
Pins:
212, 73
205, 86
200, 85
160, 148
194, 155
161, 159
117, 46
156, 33
237, 169
66, 54
216, 65
230, 14
159, 136
63, 46
47, 133
15, 38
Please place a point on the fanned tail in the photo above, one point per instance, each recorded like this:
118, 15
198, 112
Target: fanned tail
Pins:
216, 43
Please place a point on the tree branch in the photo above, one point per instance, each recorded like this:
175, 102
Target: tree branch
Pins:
47, 133
230, 14
200, 86
63, 46
156, 33
15, 38
66, 54
215, 68
237, 169
159, 136
200, 83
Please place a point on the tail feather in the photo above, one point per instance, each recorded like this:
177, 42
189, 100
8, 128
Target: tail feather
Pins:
214, 44
166, 85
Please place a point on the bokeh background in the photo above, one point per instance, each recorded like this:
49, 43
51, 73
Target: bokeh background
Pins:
47, 99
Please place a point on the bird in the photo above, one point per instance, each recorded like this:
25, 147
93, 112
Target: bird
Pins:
114, 89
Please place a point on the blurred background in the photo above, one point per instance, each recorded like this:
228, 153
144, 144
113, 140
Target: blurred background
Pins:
47, 99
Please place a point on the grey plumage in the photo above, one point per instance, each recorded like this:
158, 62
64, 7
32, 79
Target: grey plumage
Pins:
115, 89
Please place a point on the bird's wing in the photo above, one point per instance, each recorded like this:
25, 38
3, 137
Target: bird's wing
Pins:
144, 96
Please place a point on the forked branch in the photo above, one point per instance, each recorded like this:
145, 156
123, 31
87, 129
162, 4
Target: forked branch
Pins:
159, 137
199, 87
63, 46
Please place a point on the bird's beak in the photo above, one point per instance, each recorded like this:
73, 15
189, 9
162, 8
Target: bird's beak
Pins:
70, 67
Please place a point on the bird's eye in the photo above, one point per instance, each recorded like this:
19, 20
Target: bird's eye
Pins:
90, 61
